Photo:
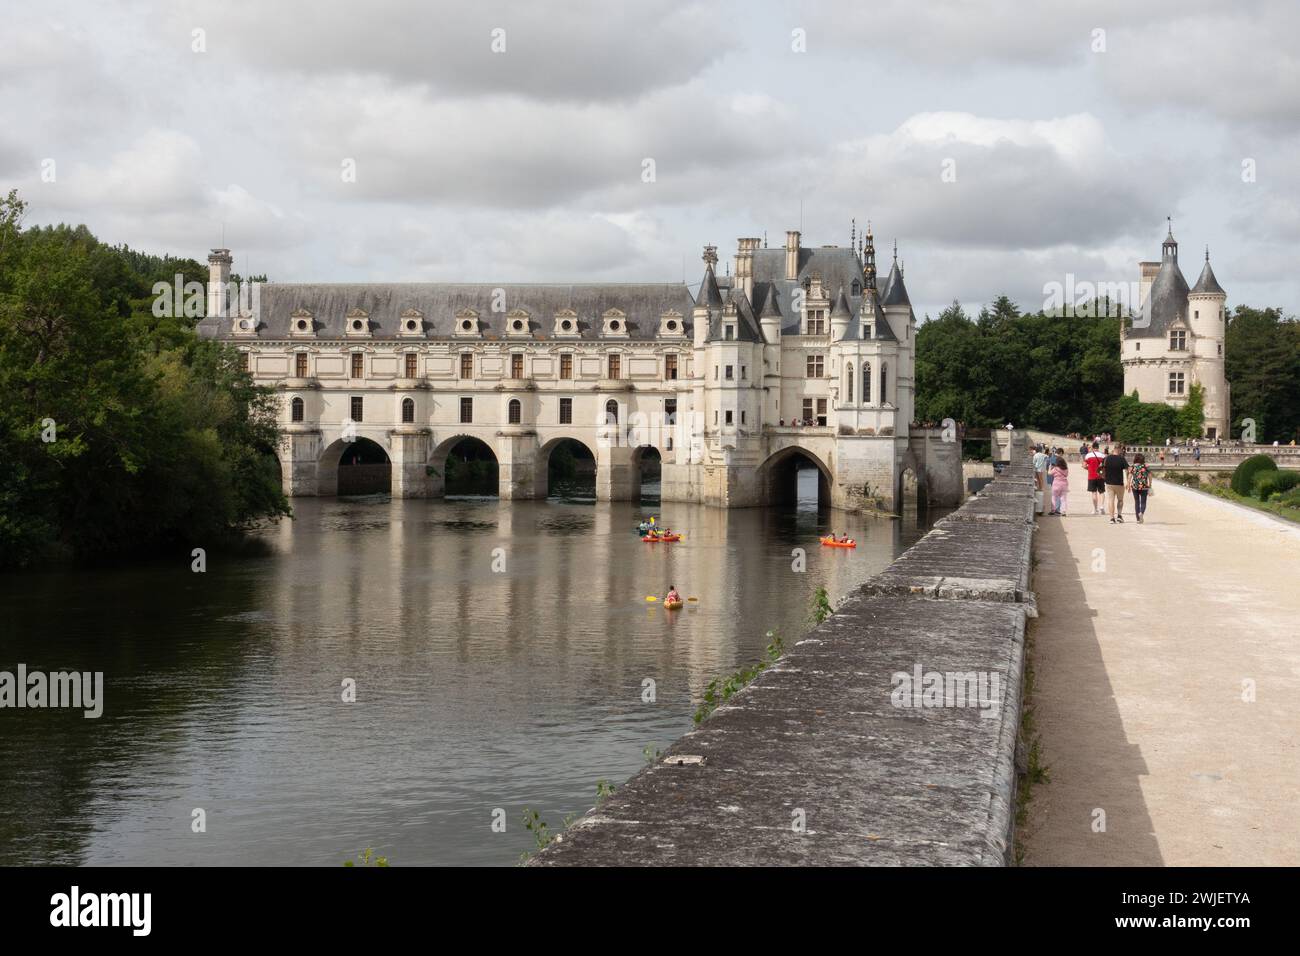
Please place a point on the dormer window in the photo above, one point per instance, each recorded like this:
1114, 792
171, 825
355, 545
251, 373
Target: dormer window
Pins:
411, 323
357, 323
1177, 340
517, 323
671, 324
302, 324
466, 322
566, 323
728, 332
857, 287
614, 323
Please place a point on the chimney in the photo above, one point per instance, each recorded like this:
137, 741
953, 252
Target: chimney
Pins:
792, 255
745, 266
218, 277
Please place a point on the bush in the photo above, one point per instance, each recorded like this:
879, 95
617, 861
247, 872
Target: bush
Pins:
1269, 483
1243, 479
1190, 479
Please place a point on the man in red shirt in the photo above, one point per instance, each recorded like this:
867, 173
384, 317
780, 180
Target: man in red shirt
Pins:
1096, 480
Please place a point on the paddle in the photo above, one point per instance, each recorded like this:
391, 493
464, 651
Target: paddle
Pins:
651, 597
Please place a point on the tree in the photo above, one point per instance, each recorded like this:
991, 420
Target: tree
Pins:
1262, 363
1189, 419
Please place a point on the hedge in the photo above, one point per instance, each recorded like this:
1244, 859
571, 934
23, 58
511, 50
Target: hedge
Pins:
1269, 482
1243, 479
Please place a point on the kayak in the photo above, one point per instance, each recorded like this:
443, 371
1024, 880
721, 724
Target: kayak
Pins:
672, 605
832, 543
662, 537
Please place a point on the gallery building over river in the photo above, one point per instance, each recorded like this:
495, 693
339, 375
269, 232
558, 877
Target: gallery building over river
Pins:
799, 357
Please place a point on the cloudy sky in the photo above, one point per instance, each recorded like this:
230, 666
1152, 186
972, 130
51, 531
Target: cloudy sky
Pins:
508, 141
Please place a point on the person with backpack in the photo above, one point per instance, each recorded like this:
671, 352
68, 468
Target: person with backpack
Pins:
1096, 486
1113, 469
1140, 485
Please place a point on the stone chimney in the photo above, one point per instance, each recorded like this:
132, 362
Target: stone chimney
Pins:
745, 266
219, 263
792, 255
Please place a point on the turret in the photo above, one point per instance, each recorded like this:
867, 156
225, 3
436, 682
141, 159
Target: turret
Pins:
708, 298
769, 319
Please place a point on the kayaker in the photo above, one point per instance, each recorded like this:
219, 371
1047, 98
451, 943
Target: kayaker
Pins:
672, 597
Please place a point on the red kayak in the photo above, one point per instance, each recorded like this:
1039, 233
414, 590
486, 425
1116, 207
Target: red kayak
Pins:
832, 543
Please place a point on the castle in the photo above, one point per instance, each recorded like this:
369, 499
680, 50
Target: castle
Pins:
798, 358
1177, 340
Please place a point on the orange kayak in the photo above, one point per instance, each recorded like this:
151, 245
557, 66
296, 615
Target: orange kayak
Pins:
662, 537
832, 543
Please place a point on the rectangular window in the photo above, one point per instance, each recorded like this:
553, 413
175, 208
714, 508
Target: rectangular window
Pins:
566, 366
670, 367
715, 373
742, 416
1175, 383
300, 365
728, 332
817, 322
816, 366
821, 411
807, 410
729, 375
514, 412
358, 365
466, 365
412, 364
744, 371
715, 416
728, 416
243, 361
516, 366
1177, 340
356, 408
615, 365
670, 411
566, 411
466, 410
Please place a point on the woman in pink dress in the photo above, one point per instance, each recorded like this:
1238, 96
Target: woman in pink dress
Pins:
1060, 485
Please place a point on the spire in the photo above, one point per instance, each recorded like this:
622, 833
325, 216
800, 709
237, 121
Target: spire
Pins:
1207, 284
841, 306
709, 295
869, 260
1169, 248
771, 310
853, 233
895, 291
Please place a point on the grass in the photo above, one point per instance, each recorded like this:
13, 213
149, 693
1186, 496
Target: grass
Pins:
1036, 771
1286, 506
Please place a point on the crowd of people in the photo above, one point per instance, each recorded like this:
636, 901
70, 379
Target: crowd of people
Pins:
1108, 473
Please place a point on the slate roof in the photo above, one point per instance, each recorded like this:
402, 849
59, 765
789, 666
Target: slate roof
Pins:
329, 304
1207, 284
1167, 301
895, 291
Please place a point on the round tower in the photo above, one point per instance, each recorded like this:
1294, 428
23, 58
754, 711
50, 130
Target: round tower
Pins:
1208, 319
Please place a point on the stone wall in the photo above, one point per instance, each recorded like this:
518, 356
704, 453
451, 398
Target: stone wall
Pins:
824, 759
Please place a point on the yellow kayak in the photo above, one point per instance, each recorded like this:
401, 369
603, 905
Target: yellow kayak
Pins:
672, 605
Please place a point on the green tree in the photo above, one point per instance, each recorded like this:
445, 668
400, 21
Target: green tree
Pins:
1262, 363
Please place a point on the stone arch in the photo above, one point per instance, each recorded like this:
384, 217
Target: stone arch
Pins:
647, 465
542, 466
779, 476
358, 467
462, 476
910, 488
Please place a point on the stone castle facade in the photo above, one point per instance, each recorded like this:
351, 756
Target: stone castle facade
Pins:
711, 383
1177, 340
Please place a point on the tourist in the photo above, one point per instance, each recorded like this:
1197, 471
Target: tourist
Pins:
1113, 469
1196, 452
1040, 465
1096, 486
1048, 475
1175, 454
672, 597
1060, 486
1140, 485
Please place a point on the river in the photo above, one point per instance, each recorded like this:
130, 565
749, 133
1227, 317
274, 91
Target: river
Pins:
500, 652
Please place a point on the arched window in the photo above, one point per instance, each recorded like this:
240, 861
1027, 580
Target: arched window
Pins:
884, 379
848, 387
296, 410
611, 412
866, 382
514, 411
408, 410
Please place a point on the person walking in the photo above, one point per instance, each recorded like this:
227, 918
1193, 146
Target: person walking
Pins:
1140, 485
1175, 454
1113, 469
1096, 486
1060, 486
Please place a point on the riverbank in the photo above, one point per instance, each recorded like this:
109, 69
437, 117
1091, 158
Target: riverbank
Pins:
1167, 668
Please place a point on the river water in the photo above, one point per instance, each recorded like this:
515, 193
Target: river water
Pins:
500, 652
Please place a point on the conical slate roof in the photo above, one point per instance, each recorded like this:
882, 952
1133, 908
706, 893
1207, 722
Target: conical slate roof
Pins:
709, 294
895, 291
841, 307
1207, 284
1166, 303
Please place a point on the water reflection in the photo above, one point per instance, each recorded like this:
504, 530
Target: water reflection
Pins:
499, 652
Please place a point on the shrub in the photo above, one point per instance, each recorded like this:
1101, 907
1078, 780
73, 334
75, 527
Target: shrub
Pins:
1268, 483
1243, 479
